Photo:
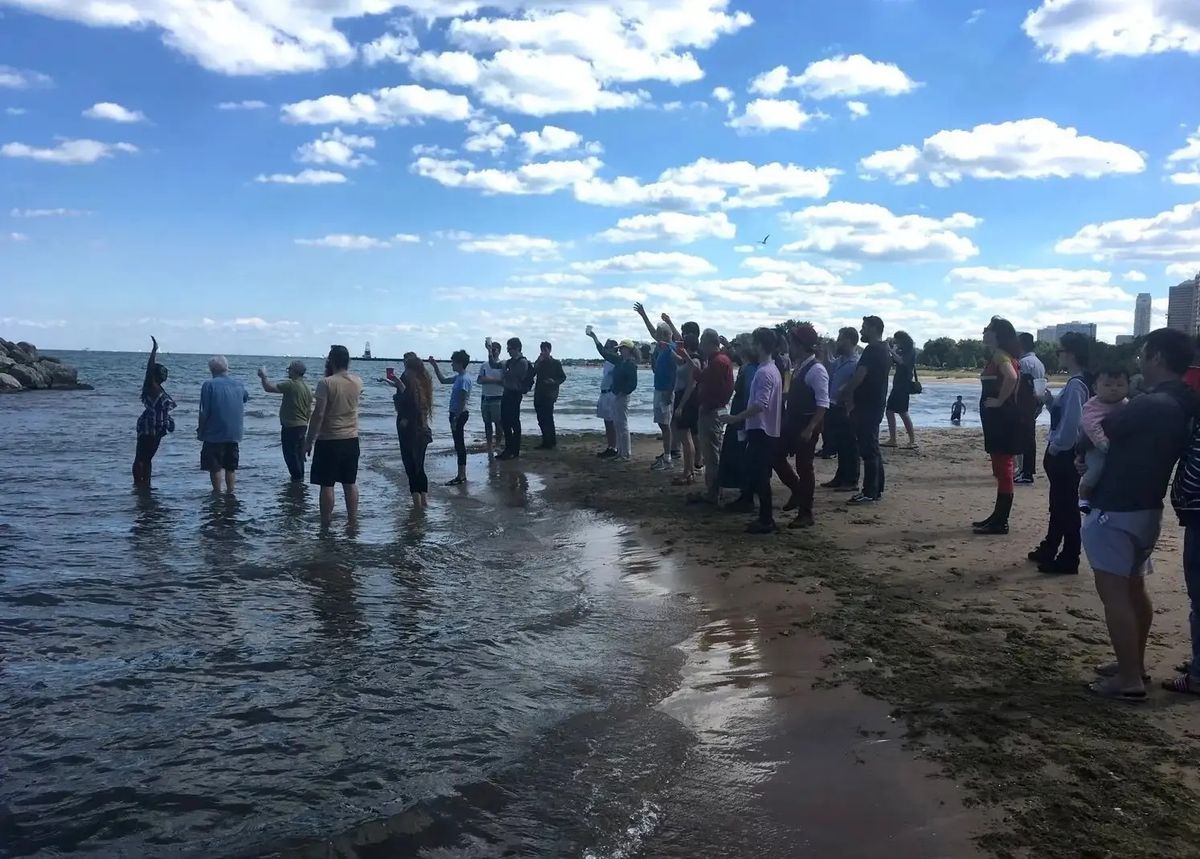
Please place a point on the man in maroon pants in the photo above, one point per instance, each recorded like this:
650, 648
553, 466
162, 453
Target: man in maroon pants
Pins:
804, 413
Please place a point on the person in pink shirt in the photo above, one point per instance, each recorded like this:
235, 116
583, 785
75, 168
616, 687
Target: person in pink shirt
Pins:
762, 418
1112, 390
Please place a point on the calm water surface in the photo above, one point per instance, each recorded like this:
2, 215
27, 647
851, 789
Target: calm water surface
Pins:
184, 675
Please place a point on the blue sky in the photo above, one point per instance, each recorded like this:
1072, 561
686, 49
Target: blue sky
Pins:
249, 176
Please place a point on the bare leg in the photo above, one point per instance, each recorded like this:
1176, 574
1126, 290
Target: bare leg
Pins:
215, 478
487, 431
1143, 608
891, 419
1124, 627
665, 429
424, 500
689, 455
908, 427
610, 435
326, 504
230, 481
416, 499
350, 491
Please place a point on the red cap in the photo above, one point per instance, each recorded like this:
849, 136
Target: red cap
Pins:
806, 335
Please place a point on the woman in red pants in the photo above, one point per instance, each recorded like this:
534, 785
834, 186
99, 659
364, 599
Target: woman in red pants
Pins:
1000, 417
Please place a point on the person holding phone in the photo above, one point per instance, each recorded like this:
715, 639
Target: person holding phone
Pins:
491, 385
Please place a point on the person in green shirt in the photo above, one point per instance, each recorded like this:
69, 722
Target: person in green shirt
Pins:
294, 412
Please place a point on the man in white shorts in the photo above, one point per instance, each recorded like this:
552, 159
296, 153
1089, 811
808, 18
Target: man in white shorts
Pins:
1146, 439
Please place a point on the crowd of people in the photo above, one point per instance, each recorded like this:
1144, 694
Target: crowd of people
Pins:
735, 413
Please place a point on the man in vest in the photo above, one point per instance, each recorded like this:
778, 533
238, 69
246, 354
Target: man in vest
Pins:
804, 413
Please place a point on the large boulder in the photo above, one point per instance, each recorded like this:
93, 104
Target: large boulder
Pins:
29, 375
5, 361
58, 375
30, 350
8, 383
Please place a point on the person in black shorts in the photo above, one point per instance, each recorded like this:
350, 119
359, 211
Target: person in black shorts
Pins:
904, 357
333, 434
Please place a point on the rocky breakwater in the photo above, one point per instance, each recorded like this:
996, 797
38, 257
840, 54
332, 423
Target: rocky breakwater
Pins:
23, 368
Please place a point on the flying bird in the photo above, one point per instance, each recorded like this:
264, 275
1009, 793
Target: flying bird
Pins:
764, 241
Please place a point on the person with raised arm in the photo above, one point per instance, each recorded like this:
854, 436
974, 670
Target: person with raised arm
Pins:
155, 421
624, 383
686, 413
460, 399
604, 407
414, 407
294, 413
332, 437
662, 361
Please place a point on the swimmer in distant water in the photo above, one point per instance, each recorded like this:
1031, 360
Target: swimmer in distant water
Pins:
956, 411
156, 420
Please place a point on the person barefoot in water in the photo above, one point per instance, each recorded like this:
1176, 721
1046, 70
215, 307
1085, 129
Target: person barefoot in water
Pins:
155, 421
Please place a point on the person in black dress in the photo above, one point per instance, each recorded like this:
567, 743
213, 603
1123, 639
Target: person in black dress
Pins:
414, 407
1000, 417
904, 357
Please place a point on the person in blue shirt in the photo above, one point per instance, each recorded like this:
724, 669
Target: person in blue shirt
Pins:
956, 411
460, 398
663, 363
222, 412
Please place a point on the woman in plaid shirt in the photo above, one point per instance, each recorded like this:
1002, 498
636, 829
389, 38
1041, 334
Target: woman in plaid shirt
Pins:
156, 420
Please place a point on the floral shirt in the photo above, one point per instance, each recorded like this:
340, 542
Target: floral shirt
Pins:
156, 420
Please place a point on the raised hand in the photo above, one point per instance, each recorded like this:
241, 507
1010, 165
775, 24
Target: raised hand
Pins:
637, 305
431, 359
154, 340
262, 371
666, 318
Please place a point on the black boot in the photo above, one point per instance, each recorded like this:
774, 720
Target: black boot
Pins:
983, 523
1043, 554
999, 523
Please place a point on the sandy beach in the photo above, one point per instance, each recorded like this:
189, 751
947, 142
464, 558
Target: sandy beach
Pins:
928, 682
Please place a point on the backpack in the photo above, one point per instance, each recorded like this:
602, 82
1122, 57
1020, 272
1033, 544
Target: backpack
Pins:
530, 377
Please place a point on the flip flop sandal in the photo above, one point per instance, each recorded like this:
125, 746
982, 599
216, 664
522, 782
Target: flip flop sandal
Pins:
1109, 669
1126, 696
1182, 685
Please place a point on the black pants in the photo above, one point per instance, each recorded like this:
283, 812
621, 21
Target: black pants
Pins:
1064, 505
545, 419
760, 456
841, 440
1028, 447
147, 446
412, 452
510, 420
458, 425
866, 436
292, 441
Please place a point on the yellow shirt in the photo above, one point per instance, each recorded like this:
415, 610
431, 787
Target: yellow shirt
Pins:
339, 394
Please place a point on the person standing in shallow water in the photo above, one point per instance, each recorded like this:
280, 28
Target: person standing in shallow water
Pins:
516, 383
333, 434
460, 398
1000, 417
414, 407
294, 414
222, 415
155, 421
491, 387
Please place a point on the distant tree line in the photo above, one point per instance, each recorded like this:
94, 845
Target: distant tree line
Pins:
945, 353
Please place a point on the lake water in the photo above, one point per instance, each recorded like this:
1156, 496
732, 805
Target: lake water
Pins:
186, 675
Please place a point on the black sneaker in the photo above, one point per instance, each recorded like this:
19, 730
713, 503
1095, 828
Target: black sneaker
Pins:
1059, 567
860, 499
607, 454
741, 505
757, 527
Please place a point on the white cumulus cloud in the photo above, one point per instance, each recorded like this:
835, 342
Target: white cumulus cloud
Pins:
245, 104
837, 77
553, 278
1170, 235
338, 149
304, 177
113, 112
867, 231
507, 245
1184, 269
858, 109
488, 135
1135, 276
671, 226
1186, 160
770, 114
685, 265
68, 151
349, 242
47, 213
542, 177
1024, 149
552, 138
398, 105
11, 78
1109, 28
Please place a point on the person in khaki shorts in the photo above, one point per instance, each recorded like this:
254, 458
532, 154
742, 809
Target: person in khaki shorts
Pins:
714, 388
1146, 439
333, 434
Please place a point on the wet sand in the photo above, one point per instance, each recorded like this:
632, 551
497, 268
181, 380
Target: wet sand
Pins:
920, 689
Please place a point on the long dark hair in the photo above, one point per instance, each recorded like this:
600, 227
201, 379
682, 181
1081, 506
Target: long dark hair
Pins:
1006, 336
904, 343
417, 377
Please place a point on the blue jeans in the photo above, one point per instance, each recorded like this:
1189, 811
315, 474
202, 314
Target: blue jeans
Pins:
1191, 575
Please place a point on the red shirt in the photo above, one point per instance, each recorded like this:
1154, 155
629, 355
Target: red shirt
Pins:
1191, 378
715, 383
